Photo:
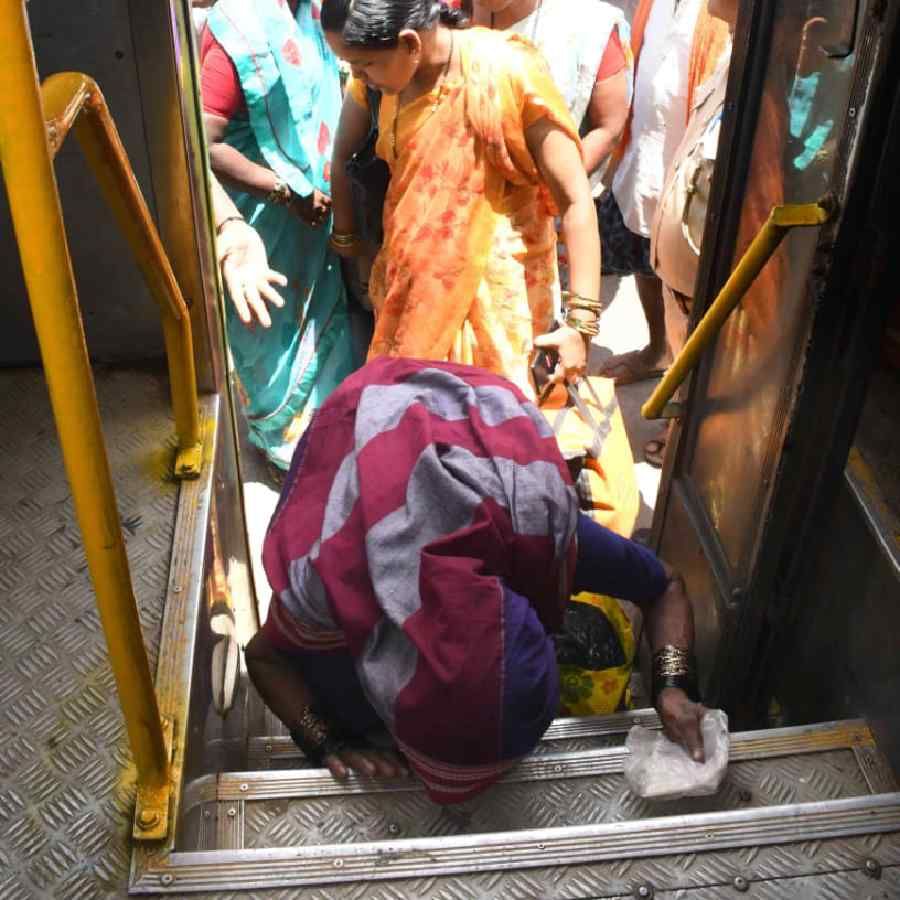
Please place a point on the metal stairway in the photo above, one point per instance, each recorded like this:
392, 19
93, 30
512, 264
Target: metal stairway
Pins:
802, 809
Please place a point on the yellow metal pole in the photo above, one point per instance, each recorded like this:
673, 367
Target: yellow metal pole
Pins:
781, 220
73, 100
37, 219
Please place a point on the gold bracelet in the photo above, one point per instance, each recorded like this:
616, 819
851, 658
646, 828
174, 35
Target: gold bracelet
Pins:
344, 239
589, 327
670, 661
343, 242
579, 301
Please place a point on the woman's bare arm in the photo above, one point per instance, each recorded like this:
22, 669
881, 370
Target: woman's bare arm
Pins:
607, 114
235, 170
558, 158
352, 130
231, 166
282, 688
670, 622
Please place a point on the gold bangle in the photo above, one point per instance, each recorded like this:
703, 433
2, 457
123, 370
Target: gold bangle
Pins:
344, 242
579, 301
670, 661
591, 329
595, 308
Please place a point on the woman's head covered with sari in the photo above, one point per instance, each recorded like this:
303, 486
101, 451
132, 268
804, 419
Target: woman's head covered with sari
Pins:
420, 557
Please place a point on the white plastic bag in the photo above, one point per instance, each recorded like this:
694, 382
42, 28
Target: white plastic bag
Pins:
658, 769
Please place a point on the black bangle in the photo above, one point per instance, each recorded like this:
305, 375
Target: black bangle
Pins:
686, 683
221, 226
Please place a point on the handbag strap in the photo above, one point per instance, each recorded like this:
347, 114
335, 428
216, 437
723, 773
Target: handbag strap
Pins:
374, 99
600, 432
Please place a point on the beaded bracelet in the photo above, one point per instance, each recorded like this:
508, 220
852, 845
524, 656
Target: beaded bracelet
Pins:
314, 737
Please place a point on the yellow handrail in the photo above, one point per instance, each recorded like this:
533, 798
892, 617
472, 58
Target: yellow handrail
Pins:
72, 100
27, 146
781, 220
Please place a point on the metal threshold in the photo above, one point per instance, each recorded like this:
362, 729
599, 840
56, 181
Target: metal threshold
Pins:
750, 745
433, 857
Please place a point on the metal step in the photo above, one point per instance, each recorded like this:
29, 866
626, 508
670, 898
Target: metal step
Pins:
823, 783
430, 858
277, 751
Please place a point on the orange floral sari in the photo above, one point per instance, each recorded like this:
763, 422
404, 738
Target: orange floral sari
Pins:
467, 272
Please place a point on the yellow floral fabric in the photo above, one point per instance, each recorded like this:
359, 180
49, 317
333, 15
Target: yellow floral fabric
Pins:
587, 692
467, 272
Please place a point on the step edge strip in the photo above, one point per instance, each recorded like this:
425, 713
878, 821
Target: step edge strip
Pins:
745, 746
433, 857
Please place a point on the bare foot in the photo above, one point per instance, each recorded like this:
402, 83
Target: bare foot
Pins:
636, 365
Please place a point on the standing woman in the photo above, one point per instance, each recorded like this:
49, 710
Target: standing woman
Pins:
271, 98
587, 49
483, 152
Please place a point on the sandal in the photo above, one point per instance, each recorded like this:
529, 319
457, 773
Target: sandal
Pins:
654, 452
628, 368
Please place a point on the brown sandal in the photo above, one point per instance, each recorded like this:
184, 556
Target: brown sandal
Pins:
654, 452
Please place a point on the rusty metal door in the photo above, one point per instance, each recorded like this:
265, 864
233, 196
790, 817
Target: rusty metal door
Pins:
807, 79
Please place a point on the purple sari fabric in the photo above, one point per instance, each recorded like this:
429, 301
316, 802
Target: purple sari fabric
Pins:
421, 554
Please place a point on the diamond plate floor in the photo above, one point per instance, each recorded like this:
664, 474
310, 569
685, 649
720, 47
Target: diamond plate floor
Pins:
66, 777
541, 804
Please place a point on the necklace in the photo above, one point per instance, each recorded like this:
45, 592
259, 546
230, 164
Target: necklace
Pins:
434, 106
536, 12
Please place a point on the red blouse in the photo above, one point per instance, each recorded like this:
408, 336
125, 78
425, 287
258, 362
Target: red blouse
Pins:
613, 57
220, 87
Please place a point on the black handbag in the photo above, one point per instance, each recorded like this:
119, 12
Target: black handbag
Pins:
369, 178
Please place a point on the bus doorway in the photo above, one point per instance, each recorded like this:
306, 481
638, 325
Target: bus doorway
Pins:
771, 453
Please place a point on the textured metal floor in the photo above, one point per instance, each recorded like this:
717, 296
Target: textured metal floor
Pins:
588, 800
66, 778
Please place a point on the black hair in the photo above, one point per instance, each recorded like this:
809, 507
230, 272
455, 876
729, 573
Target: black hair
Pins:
378, 23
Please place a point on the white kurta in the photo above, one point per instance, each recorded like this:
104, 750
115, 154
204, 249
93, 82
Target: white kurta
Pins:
659, 116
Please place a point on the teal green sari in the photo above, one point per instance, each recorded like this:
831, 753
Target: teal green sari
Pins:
291, 85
